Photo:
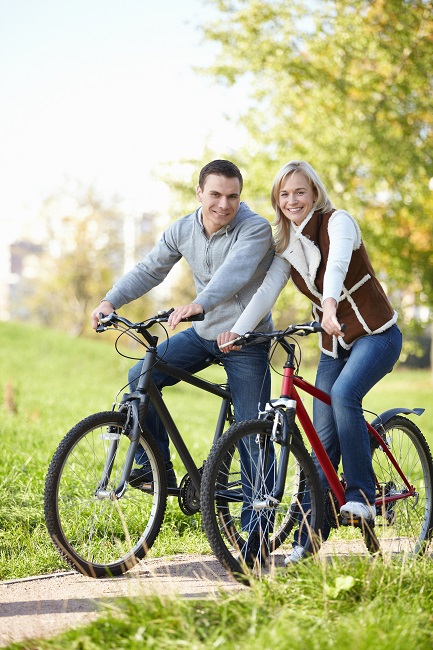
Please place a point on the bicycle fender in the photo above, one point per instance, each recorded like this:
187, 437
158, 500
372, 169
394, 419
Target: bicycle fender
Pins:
387, 415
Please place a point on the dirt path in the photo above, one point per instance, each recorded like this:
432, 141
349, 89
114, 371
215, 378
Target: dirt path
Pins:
43, 606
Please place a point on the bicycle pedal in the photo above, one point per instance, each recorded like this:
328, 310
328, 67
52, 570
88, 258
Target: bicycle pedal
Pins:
144, 487
357, 522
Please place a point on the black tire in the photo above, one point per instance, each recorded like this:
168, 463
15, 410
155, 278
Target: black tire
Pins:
101, 536
405, 525
223, 499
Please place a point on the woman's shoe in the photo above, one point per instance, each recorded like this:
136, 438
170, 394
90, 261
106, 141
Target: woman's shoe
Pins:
358, 513
296, 555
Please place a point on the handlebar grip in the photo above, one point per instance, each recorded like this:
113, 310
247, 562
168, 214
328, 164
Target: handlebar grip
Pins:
318, 328
239, 339
191, 318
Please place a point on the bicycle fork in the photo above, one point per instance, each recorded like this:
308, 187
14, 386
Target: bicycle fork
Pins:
284, 412
101, 492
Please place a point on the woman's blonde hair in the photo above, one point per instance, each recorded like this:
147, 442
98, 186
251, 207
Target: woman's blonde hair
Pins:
321, 203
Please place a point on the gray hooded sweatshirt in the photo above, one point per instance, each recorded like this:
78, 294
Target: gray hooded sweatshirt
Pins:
228, 267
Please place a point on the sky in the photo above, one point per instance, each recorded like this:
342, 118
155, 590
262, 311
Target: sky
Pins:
103, 92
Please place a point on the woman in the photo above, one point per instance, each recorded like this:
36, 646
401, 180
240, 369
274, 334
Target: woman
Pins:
321, 250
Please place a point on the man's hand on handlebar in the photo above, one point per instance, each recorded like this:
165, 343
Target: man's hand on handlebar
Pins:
105, 308
186, 311
224, 339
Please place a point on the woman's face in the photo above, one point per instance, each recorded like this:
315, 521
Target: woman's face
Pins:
296, 197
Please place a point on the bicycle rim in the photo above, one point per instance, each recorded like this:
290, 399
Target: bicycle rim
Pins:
231, 494
406, 524
101, 536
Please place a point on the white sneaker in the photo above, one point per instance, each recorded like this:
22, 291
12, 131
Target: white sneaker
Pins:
353, 511
295, 556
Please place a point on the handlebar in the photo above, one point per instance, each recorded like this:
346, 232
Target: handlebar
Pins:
161, 317
300, 330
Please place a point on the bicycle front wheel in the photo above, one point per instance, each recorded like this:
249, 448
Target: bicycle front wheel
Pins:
94, 531
238, 478
404, 523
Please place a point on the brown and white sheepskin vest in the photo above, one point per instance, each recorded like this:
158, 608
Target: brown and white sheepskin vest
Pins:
362, 306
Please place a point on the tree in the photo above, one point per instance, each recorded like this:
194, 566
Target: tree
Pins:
346, 85
84, 252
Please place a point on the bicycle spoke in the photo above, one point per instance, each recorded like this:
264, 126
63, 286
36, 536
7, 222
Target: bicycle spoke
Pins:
404, 522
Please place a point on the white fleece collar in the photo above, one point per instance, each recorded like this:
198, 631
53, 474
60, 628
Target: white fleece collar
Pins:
305, 264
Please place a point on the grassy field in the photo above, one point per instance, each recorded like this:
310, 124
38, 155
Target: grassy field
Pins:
49, 381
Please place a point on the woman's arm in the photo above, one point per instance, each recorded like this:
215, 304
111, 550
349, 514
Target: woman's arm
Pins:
262, 301
343, 238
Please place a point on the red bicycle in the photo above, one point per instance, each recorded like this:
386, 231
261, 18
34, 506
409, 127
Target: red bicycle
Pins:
285, 492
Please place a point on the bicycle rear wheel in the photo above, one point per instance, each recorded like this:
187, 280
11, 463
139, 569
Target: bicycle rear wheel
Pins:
102, 535
232, 492
406, 524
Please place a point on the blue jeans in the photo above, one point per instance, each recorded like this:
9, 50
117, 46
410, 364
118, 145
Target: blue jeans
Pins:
247, 372
341, 427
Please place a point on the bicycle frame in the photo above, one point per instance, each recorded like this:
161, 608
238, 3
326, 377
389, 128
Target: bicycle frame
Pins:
290, 383
147, 392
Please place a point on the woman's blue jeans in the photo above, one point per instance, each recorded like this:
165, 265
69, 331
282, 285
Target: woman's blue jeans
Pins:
248, 377
341, 427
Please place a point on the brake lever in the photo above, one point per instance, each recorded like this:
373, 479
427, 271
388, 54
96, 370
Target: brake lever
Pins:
105, 322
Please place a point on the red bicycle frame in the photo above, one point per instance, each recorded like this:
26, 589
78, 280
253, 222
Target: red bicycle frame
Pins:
291, 381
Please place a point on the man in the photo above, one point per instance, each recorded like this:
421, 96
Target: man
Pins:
229, 249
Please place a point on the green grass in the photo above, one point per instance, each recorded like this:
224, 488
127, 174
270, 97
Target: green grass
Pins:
56, 381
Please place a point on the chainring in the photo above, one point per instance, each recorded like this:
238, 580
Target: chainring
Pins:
189, 501
331, 506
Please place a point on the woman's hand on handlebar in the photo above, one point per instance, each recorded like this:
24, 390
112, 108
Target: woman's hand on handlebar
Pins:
105, 308
186, 311
329, 320
226, 337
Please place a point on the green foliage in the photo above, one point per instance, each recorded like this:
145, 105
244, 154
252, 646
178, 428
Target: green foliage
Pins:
347, 86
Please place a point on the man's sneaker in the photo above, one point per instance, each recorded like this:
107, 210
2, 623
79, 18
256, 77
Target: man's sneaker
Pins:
358, 513
296, 555
143, 474
255, 550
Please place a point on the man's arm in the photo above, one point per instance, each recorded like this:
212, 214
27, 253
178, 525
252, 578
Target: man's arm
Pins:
145, 275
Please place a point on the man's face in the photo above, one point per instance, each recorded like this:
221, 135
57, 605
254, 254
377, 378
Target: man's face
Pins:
220, 198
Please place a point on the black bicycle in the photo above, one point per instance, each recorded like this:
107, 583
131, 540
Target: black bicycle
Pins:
98, 522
